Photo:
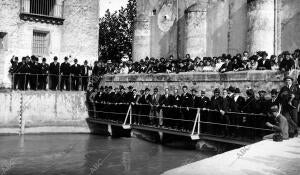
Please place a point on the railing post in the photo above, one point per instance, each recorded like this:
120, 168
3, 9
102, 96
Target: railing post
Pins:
199, 117
196, 136
94, 108
125, 126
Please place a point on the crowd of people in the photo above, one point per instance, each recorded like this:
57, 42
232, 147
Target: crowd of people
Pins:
225, 63
29, 73
180, 106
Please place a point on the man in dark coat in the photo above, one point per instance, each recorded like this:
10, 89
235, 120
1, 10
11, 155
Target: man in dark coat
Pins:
186, 103
85, 75
289, 98
44, 72
145, 102
76, 74
13, 69
65, 71
217, 104
166, 101
23, 71
54, 73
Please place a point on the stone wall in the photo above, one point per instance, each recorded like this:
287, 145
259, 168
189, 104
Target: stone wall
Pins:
78, 36
232, 26
41, 109
257, 80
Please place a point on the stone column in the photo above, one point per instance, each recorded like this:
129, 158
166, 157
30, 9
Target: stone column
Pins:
261, 29
141, 41
196, 30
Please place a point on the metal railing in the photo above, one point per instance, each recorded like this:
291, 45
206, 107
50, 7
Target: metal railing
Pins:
50, 8
27, 81
193, 121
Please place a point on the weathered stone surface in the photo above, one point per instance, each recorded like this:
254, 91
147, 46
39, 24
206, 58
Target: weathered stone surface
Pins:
261, 26
257, 80
43, 109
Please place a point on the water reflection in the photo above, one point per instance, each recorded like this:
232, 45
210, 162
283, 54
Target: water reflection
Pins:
89, 154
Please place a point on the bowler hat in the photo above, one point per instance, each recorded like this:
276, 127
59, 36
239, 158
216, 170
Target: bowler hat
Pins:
231, 89
217, 90
274, 91
147, 89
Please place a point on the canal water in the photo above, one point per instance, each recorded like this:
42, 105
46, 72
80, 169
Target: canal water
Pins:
89, 155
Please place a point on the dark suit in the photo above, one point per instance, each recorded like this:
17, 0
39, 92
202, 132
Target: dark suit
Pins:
217, 103
186, 103
145, 100
76, 73
167, 101
43, 78
65, 71
85, 76
54, 75
23, 70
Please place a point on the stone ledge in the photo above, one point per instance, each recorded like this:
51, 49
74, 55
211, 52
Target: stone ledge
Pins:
243, 76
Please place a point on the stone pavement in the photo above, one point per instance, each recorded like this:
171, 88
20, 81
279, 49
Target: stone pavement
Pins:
262, 158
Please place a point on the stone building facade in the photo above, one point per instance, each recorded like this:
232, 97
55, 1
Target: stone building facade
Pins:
47, 28
212, 27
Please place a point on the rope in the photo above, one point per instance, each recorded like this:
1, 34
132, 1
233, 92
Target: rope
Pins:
183, 120
178, 107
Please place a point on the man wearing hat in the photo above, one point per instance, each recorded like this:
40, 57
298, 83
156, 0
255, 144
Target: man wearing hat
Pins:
44, 71
65, 71
289, 98
155, 110
145, 102
129, 95
274, 99
217, 103
186, 103
85, 75
76, 75
54, 73
281, 127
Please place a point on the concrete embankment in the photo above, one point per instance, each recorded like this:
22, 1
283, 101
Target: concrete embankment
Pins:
263, 158
43, 112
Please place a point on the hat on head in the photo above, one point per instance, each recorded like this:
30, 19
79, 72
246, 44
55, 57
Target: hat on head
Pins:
110, 87
237, 90
66, 58
202, 92
122, 87
147, 89
44, 59
231, 89
155, 89
55, 58
130, 87
184, 87
288, 77
274, 91
217, 90
75, 60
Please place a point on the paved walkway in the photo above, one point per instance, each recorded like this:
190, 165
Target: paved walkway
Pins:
263, 158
